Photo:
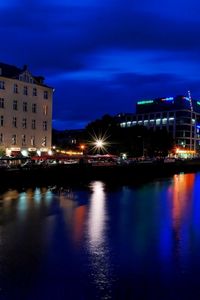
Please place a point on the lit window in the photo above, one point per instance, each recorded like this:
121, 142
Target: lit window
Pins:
1, 102
25, 106
14, 139
44, 141
2, 85
164, 121
34, 108
45, 109
14, 104
15, 88
45, 95
158, 121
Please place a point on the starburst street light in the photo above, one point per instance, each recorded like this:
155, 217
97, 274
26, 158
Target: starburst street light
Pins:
99, 143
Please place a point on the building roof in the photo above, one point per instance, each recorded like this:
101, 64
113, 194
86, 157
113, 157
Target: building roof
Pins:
9, 70
13, 72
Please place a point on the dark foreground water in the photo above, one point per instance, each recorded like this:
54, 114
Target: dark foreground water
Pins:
102, 242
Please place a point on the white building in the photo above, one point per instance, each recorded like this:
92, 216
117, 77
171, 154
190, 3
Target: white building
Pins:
25, 111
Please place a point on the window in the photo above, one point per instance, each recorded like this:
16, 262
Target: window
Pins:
34, 92
14, 104
14, 139
25, 90
32, 141
44, 125
26, 77
1, 102
24, 123
44, 141
1, 121
1, 138
33, 125
23, 140
45, 95
15, 88
45, 109
25, 106
2, 85
14, 122
34, 108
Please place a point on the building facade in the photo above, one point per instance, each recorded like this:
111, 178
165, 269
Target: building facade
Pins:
180, 115
25, 111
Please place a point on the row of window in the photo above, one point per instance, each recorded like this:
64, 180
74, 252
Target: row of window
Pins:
26, 90
178, 114
152, 122
24, 123
24, 106
24, 140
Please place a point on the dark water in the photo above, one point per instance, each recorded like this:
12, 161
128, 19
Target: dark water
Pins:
102, 242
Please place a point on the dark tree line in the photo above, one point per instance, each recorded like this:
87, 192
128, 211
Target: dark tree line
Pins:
135, 141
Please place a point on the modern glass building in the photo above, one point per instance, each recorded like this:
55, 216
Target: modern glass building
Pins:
180, 115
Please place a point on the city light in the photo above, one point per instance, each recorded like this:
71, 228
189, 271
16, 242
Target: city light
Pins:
99, 143
145, 102
82, 147
24, 153
168, 99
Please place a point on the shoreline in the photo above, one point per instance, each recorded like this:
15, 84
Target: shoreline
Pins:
82, 174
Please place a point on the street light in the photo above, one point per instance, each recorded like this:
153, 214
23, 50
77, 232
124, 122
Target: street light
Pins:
99, 142
99, 145
82, 147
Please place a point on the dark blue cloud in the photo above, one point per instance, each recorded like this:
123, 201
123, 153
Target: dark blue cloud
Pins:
101, 56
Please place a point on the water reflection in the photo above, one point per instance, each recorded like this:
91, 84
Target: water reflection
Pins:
79, 222
93, 243
181, 195
97, 241
182, 198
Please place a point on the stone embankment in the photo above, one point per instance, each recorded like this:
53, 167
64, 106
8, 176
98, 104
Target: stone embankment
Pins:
76, 174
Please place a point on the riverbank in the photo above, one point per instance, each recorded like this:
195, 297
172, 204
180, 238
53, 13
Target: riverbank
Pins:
68, 174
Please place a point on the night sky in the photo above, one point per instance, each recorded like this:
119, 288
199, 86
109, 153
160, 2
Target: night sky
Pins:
101, 56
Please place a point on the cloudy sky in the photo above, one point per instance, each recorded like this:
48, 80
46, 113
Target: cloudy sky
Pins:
104, 55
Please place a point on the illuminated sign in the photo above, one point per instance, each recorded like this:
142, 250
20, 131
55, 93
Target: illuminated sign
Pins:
198, 102
168, 99
15, 149
145, 102
185, 151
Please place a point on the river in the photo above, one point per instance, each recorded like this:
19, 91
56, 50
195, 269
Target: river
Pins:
102, 241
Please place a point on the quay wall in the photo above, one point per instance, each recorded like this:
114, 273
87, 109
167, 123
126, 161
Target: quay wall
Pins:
76, 174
